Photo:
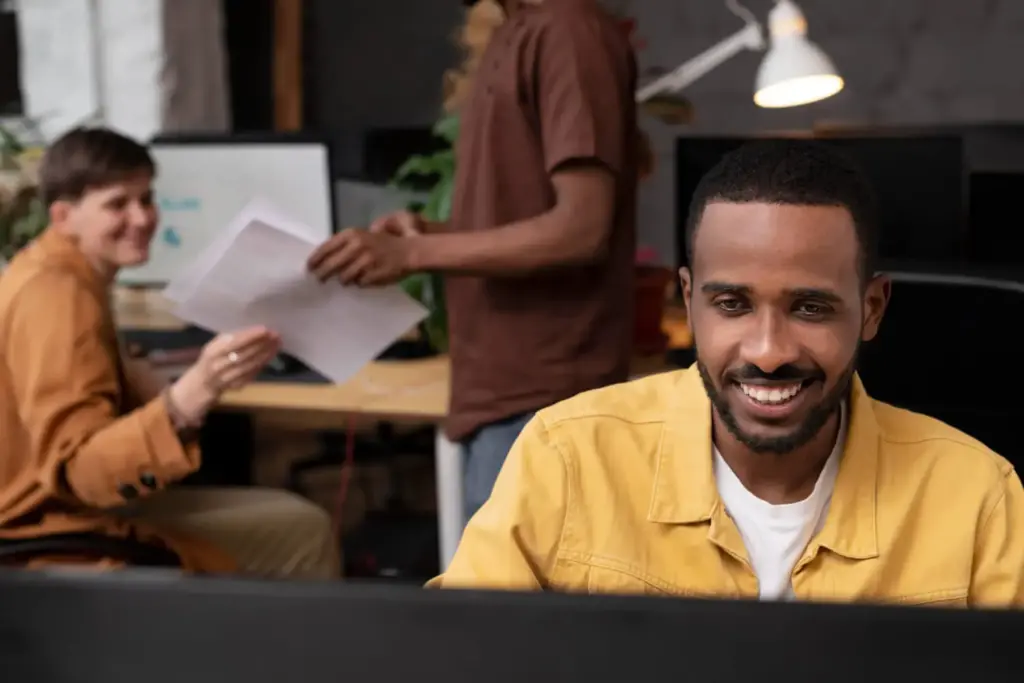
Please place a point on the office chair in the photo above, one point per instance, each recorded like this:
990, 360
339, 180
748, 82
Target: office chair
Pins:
948, 348
135, 553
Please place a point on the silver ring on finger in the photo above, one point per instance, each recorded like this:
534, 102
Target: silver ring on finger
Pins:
233, 357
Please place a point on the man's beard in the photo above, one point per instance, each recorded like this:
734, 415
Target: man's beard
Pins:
780, 445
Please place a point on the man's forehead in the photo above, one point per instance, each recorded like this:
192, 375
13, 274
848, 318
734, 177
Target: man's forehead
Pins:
809, 246
133, 185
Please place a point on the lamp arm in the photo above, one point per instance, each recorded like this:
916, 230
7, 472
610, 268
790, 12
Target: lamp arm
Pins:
748, 38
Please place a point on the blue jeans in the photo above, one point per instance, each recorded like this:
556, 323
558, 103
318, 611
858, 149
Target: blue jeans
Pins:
484, 454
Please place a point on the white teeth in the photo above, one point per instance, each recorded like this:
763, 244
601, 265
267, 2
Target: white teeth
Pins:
773, 395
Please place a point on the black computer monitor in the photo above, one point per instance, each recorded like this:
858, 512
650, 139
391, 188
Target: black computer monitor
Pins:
996, 237
163, 628
920, 182
942, 321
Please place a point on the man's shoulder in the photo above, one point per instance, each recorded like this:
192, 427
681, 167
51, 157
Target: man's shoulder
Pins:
637, 402
38, 286
30, 272
25, 268
571, 19
918, 440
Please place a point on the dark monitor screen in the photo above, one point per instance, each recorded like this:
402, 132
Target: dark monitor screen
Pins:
126, 627
996, 236
386, 149
940, 322
919, 183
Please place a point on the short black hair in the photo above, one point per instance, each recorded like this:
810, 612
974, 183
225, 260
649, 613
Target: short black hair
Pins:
800, 172
85, 159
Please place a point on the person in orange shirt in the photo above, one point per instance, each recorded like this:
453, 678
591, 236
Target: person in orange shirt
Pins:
765, 470
93, 445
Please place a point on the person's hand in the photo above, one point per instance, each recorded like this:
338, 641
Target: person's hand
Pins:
362, 257
228, 361
399, 224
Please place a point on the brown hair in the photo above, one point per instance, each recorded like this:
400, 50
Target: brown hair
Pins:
472, 38
88, 158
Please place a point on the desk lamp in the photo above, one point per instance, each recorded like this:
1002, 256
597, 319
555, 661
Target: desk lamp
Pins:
793, 72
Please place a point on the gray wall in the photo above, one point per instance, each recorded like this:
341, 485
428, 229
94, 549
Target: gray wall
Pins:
379, 62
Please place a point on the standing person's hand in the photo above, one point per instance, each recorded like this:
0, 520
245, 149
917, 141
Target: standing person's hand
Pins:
229, 361
363, 257
399, 224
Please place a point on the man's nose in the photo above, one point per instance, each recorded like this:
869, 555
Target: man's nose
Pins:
769, 344
139, 214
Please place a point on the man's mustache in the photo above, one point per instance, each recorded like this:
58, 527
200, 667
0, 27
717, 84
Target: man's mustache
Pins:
783, 373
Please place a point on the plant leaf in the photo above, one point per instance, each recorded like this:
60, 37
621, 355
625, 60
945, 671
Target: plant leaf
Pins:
416, 165
414, 285
447, 128
444, 199
428, 288
431, 210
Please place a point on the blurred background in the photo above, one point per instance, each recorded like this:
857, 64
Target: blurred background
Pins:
932, 105
368, 67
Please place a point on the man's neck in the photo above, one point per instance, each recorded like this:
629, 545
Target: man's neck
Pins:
778, 479
107, 271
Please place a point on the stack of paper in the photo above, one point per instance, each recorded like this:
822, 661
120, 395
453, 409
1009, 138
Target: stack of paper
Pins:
255, 273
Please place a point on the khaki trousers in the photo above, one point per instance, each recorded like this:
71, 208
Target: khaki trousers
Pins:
268, 532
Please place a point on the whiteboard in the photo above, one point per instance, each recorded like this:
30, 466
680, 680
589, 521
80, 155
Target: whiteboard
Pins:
200, 186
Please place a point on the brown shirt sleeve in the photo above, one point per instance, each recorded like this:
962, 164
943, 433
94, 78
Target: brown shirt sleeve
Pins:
65, 380
584, 77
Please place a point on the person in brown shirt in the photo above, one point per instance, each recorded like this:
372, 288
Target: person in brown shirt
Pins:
539, 251
91, 444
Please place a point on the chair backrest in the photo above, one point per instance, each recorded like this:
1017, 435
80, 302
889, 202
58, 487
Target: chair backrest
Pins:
947, 348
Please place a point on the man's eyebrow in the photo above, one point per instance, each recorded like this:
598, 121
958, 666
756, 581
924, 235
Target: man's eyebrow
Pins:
715, 288
725, 288
815, 293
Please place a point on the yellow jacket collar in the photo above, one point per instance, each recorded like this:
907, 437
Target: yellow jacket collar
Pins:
684, 486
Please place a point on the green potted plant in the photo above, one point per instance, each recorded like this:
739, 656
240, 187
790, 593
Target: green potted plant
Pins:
22, 214
439, 167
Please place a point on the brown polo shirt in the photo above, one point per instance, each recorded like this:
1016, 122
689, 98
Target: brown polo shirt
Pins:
556, 85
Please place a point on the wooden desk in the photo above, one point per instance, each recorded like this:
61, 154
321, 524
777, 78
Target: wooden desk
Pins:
414, 390
385, 390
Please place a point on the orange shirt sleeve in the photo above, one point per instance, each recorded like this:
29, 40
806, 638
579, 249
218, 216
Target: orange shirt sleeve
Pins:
66, 382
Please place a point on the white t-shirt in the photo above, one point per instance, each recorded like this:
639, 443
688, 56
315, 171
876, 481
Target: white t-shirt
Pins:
775, 536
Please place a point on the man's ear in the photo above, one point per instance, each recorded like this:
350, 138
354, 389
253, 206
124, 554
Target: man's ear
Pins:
686, 280
59, 212
876, 299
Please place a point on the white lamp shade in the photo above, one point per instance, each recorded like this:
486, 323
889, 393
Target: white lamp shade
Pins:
794, 72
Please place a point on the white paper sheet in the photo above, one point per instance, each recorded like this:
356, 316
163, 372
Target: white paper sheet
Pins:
259, 277
182, 286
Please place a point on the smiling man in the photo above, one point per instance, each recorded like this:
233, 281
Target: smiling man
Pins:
766, 470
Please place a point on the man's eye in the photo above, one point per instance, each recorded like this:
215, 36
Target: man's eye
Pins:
730, 305
811, 309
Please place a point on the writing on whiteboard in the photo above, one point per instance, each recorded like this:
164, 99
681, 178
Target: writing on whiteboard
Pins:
180, 204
